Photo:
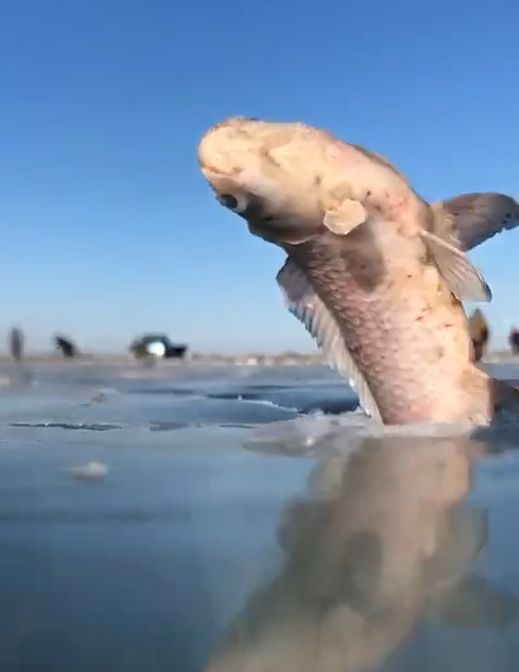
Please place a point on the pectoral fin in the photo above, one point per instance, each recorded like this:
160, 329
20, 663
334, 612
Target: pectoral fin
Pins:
463, 279
345, 218
470, 219
303, 302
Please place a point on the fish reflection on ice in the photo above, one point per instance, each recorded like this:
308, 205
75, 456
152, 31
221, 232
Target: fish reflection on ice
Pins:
382, 541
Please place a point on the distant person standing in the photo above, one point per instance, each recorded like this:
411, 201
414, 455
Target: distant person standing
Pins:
16, 343
479, 333
66, 346
513, 339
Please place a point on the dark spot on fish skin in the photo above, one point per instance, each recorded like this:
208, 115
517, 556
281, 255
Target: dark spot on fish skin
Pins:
409, 276
419, 318
269, 158
447, 325
364, 260
357, 256
440, 352
317, 180
427, 257
354, 349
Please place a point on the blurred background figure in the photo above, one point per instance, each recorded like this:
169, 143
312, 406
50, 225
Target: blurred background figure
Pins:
16, 343
513, 339
66, 346
157, 345
479, 333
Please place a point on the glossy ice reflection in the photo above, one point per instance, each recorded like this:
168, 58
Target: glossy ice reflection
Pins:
382, 546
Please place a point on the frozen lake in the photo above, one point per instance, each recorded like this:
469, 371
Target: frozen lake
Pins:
238, 522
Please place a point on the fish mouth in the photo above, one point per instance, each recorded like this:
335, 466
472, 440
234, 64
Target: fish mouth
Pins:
211, 172
222, 184
213, 176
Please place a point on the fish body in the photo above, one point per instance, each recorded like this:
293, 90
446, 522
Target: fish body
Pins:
372, 268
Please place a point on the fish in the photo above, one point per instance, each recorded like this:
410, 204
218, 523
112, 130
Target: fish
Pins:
375, 273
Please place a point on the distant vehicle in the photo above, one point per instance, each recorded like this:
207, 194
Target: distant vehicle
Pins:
479, 333
157, 345
16, 343
513, 339
67, 347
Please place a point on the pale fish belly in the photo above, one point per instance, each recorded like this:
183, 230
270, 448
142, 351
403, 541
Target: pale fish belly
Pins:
409, 340
412, 368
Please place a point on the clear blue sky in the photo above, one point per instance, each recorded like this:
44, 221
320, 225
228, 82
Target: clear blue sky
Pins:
102, 103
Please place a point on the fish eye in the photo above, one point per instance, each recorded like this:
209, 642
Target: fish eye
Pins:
237, 204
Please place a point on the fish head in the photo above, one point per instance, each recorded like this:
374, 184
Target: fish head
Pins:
267, 173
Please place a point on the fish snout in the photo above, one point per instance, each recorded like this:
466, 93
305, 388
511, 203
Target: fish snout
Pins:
223, 145
208, 150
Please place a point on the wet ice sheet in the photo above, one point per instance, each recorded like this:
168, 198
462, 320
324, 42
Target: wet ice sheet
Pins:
247, 532
170, 397
133, 573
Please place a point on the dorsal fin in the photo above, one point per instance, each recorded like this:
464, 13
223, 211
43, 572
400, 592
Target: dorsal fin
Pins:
470, 219
303, 302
